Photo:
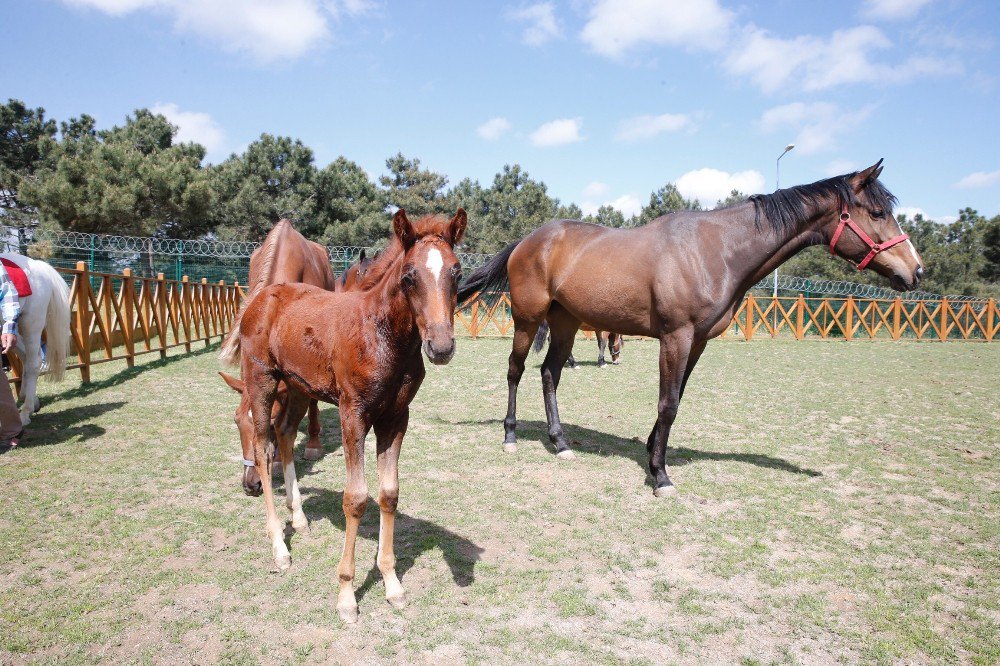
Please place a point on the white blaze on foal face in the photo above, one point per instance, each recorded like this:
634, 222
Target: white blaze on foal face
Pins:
435, 262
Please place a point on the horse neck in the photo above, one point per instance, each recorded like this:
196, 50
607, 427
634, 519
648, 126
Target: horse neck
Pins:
769, 248
390, 309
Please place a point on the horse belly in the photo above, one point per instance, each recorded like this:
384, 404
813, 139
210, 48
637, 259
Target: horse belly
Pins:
599, 295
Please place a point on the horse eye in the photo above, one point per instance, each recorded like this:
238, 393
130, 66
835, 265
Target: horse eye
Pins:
878, 213
410, 278
456, 272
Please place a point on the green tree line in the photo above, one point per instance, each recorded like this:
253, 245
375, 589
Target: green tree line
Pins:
137, 179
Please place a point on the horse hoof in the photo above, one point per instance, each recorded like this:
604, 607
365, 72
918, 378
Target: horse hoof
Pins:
510, 447
349, 614
301, 528
313, 454
397, 601
566, 454
284, 563
668, 490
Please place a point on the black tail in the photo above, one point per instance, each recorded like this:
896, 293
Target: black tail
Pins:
543, 333
491, 276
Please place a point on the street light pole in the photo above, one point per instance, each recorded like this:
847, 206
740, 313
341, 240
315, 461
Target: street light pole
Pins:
777, 186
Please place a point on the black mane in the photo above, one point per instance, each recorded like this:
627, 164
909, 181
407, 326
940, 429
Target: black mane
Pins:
785, 208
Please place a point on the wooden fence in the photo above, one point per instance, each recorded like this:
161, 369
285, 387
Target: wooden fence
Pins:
119, 317
845, 318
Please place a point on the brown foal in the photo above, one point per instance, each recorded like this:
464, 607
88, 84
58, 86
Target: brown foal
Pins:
360, 350
679, 279
284, 256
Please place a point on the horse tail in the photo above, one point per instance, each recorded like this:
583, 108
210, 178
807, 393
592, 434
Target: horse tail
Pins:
491, 276
56, 321
230, 352
543, 333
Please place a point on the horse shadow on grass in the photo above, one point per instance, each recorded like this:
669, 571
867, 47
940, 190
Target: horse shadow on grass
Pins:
412, 537
599, 443
49, 427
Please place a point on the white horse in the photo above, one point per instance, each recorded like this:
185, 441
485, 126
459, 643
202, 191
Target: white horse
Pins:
47, 308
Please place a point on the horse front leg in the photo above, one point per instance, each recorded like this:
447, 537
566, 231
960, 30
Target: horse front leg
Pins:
389, 442
354, 427
314, 447
261, 388
285, 429
675, 349
601, 346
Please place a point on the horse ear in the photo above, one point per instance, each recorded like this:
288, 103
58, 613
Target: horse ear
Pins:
862, 178
361, 257
457, 226
404, 229
235, 384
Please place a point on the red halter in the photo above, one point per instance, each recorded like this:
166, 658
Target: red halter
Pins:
873, 247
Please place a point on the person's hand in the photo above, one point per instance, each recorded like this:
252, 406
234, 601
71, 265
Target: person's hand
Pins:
7, 341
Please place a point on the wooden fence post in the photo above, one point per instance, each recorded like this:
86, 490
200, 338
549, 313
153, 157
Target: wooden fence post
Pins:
849, 319
128, 326
219, 308
991, 320
748, 331
943, 334
897, 308
184, 310
161, 309
82, 320
800, 313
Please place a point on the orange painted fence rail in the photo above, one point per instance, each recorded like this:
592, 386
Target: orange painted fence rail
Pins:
846, 318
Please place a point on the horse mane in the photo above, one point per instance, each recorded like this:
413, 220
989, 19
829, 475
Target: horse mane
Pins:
783, 209
428, 225
269, 252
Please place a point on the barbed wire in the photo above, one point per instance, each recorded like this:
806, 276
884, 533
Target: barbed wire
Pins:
343, 255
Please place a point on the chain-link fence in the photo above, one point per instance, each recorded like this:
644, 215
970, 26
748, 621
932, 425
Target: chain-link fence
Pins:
230, 261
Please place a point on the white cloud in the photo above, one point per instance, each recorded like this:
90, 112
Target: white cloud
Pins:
269, 30
979, 179
542, 25
647, 127
617, 26
892, 10
910, 212
194, 126
818, 125
493, 128
840, 167
711, 185
558, 132
815, 63
628, 204
595, 190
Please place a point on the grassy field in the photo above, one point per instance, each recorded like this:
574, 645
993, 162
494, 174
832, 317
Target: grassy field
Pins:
839, 502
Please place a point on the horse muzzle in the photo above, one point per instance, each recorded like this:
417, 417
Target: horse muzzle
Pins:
439, 353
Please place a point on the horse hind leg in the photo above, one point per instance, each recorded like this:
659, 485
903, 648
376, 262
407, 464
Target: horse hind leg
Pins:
563, 331
314, 447
31, 366
524, 334
601, 346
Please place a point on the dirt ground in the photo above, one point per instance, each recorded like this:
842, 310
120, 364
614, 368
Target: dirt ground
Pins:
839, 503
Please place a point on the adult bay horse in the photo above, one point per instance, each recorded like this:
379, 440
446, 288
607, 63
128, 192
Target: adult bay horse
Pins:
284, 256
360, 350
352, 276
680, 279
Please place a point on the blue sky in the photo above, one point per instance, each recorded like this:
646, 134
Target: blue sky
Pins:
603, 100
